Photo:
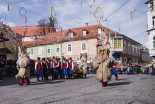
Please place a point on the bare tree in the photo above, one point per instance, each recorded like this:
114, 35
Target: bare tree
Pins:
47, 26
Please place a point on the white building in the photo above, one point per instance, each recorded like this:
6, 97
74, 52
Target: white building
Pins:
151, 27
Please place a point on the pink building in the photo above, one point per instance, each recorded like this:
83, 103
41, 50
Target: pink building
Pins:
83, 40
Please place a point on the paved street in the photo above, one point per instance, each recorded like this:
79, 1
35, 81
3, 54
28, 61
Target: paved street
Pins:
129, 89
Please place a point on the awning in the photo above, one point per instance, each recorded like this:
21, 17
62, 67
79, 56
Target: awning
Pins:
4, 51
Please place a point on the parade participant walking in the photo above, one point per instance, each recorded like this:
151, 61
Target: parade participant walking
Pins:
38, 69
47, 67
114, 72
103, 61
59, 67
55, 71
70, 67
44, 69
64, 68
23, 66
51, 68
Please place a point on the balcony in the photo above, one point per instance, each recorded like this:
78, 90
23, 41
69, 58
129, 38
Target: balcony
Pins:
117, 49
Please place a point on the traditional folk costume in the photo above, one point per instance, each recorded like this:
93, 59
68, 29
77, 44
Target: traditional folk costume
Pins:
59, 68
44, 69
38, 69
64, 68
70, 67
114, 72
55, 70
47, 68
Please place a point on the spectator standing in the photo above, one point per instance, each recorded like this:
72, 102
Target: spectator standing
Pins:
64, 68
38, 69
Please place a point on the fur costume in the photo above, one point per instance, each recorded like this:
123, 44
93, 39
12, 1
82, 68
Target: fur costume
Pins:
23, 61
83, 64
102, 64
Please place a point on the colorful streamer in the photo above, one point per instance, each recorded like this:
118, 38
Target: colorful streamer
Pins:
53, 13
81, 3
133, 14
98, 14
8, 6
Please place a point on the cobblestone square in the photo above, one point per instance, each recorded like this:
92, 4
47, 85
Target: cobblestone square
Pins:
129, 89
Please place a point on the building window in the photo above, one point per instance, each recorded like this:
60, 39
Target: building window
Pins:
48, 49
69, 48
84, 46
71, 34
124, 44
99, 30
154, 42
40, 51
84, 33
119, 43
57, 49
128, 46
31, 51
153, 21
115, 43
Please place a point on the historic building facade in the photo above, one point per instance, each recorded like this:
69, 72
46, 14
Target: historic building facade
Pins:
151, 27
75, 41
9, 47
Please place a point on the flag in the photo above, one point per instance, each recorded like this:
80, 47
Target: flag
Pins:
81, 3
8, 6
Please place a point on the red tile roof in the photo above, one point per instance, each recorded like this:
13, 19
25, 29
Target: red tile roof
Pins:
31, 30
61, 36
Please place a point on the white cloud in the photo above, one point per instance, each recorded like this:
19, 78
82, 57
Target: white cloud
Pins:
11, 24
3, 9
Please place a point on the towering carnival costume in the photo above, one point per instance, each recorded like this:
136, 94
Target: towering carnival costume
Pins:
83, 64
23, 65
103, 61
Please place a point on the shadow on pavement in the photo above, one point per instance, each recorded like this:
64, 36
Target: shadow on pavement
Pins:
45, 82
8, 81
118, 83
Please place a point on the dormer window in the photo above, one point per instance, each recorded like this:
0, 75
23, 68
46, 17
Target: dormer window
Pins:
71, 34
84, 33
99, 30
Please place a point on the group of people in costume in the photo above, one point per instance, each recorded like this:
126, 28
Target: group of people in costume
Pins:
54, 67
103, 63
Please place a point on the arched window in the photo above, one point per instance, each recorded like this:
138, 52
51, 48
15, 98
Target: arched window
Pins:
154, 42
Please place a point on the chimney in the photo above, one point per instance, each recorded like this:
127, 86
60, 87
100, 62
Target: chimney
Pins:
86, 24
61, 29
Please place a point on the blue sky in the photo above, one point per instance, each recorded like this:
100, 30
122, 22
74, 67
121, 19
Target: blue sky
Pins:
70, 14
